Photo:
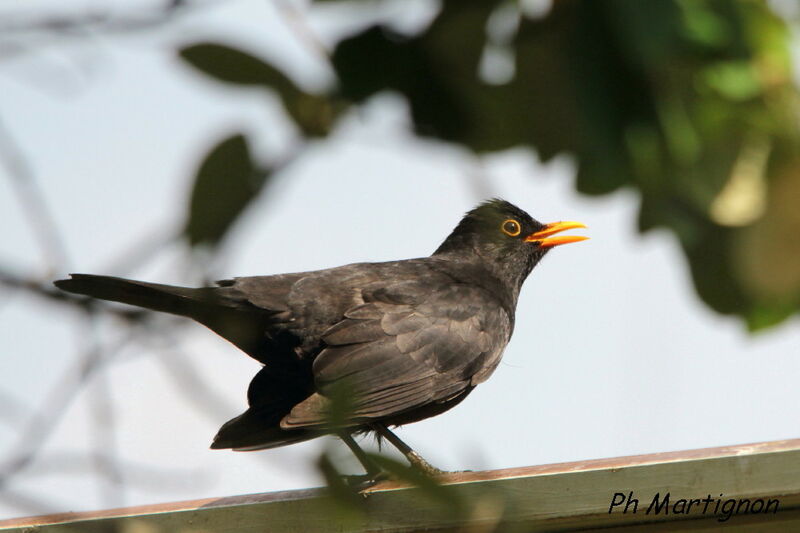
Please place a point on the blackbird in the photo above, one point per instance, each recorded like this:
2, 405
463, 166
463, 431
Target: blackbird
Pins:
405, 340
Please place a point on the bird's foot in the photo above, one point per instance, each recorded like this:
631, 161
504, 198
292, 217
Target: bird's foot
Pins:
423, 466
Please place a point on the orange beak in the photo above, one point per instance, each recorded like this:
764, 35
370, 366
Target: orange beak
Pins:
543, 239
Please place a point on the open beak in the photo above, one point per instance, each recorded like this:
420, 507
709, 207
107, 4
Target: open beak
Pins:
543, 237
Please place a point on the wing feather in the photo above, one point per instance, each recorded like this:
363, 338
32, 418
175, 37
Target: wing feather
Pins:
394, 353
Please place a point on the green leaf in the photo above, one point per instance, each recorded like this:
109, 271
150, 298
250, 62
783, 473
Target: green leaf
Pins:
313, 114
226, 182
736, 80
437, 72
762, 318
231, 65
709, 260
702, 25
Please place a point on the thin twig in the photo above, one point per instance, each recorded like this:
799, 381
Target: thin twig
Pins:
12, 411
54, 406
24, 35
144, 249
28, 503
299, 26
48, 291
111, 482
147, 477
94, 21
33, 203
190, 382
199, 392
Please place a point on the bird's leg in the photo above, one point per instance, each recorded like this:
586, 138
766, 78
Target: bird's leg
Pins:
413, 457
374, 473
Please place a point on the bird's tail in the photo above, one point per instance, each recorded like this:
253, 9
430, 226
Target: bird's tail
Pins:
253, 430
182, 301
219, 308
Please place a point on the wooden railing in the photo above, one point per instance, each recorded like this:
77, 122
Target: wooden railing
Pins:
676, 491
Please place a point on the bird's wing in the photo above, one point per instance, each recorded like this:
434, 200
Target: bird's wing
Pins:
409, 344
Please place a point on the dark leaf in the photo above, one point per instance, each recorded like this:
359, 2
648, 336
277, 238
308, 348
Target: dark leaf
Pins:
437, 72
230, 65
313, 114
714, 281
226, 182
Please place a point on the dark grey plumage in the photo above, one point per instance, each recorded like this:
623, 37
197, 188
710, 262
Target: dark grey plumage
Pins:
410, 338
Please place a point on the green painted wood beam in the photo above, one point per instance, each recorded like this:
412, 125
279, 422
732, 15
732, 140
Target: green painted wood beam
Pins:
559, 497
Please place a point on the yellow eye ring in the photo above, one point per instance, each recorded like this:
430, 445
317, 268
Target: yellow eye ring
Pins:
511, 227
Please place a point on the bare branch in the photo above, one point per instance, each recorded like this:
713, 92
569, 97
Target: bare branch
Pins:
33, 203
141, 251
47, 291
28, 503
143, 476
54, 406
80, 25
105, 459
12, 411
193, 386
299, 25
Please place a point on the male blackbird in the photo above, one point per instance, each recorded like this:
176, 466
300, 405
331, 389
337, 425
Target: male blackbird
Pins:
403, 340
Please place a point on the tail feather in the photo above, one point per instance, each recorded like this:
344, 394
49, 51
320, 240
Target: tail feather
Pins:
254, 430
219, 308
166, 298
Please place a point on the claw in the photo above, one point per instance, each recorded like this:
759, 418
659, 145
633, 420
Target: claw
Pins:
422, 465
362, 482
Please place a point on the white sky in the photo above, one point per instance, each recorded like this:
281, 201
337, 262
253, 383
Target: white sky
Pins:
613, 353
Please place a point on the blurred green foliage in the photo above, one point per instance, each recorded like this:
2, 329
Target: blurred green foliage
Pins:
226, 182
312, 114
691, 103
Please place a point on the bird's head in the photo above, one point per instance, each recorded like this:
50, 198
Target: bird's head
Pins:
506, 239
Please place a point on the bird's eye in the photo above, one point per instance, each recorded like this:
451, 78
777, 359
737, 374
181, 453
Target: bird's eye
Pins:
511, 228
